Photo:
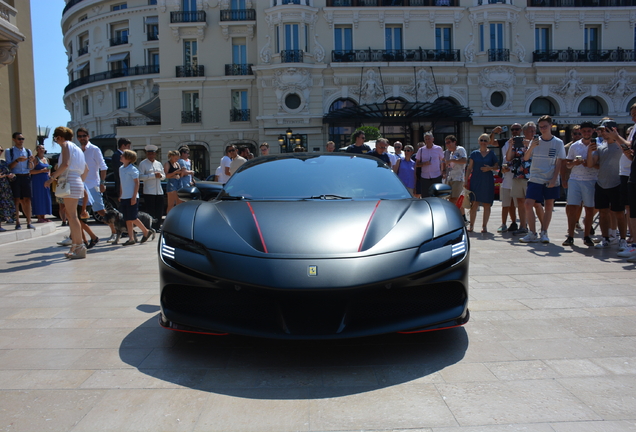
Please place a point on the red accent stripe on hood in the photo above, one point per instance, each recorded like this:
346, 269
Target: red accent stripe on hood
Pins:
368, 224
258, 227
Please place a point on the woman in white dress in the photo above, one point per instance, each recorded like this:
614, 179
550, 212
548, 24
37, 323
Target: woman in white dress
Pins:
73, 164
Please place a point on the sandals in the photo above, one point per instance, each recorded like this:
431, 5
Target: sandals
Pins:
78, 251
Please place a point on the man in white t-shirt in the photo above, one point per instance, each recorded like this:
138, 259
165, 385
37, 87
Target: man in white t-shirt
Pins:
547, 153
226, 161
580, 185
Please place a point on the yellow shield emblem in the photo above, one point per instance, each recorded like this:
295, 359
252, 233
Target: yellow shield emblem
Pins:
312, 270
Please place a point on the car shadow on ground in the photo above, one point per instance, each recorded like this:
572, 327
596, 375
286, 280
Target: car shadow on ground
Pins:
279, 369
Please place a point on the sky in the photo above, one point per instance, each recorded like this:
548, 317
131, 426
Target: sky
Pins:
50, 61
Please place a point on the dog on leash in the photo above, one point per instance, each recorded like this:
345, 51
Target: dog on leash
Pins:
116, 219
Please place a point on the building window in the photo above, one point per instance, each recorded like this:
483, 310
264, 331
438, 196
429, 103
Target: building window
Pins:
238, 5
153, 57
152, 2
119, 62
85, 105
120, 6
393, 37
542, 106
191, 112
190, 53
119, 33
239, 50
152, 28
82, 18
495, 38
542, 38
240, 105
83, 70
189, 5
443, 37
292, 38
590, 107
343, 38
592, 38
122, 99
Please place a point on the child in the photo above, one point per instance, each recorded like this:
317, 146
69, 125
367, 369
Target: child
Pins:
129, 177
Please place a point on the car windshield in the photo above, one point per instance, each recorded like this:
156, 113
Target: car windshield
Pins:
314, 177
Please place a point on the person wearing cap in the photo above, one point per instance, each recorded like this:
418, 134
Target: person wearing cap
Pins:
580, 185
607, 190
151, 173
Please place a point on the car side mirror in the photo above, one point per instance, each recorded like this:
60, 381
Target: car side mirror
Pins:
440, 190
189, 193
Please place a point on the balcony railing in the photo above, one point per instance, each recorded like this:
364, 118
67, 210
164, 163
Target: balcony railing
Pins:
238, 15
187, 16
375, 3
404, 55
237, 115
238, 69
286, 2
580, 3
83, 50
152, 36
483, 2
190, 71
119, 40
191, 116
499, 54
572, 55
291, 56
70, 5
117, 73
135, 121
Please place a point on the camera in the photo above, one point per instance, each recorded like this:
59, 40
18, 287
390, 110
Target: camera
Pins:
518, 142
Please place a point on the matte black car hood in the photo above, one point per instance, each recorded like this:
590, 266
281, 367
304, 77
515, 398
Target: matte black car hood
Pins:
313, 228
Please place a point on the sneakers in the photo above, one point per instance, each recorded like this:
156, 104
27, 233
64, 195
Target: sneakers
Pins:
622, 245
111, 238
544, 237
66, 242
578, 227
513, 227
520, 231
628, 252
604, 244
569, 241
529, 238
588, 241
502, 228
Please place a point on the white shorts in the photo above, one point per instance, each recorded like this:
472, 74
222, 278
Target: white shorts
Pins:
581, 191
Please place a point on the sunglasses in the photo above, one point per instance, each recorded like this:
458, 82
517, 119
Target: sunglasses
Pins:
20, 139
515, 129
483, 140
1, 150
82, 136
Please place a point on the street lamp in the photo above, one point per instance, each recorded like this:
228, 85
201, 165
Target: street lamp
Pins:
43, 133
288, 141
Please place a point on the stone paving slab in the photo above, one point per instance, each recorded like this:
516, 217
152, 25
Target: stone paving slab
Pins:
551, 347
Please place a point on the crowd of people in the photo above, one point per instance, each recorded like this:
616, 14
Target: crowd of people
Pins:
597, 174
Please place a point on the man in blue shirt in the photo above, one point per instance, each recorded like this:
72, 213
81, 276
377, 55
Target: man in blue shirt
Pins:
358, 145
20, 161
380, 151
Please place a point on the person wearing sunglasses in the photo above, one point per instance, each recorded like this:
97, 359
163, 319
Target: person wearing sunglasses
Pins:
481, 165
20, 162
7, 207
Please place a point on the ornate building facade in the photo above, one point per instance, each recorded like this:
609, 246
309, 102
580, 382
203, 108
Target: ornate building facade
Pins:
208, 73
17, 82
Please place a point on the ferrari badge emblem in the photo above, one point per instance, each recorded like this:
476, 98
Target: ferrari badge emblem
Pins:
312, 270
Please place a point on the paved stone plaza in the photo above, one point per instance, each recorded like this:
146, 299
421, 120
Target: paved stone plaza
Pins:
550, 347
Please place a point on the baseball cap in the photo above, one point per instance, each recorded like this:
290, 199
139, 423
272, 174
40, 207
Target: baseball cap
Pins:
588, 124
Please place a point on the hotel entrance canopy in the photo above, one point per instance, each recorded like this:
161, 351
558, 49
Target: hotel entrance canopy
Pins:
399, 112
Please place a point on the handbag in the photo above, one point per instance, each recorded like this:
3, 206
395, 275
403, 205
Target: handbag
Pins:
467, 198
63, 188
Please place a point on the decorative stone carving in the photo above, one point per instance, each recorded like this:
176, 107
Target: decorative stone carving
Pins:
225, 4
266, 52
162, 5
421, 87
519, 50
328, 16
500, 78
370, 90
319, 50
139, 91
292, 80
99, 95
469, 51
176, 34
569, 89
619, 87
8, 51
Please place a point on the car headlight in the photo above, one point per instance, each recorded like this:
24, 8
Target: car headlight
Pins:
170, 243
457, 240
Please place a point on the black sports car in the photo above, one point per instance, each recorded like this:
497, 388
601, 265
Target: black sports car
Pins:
314, 246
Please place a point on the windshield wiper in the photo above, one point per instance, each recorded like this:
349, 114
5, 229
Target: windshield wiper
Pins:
328, 197
230, 197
